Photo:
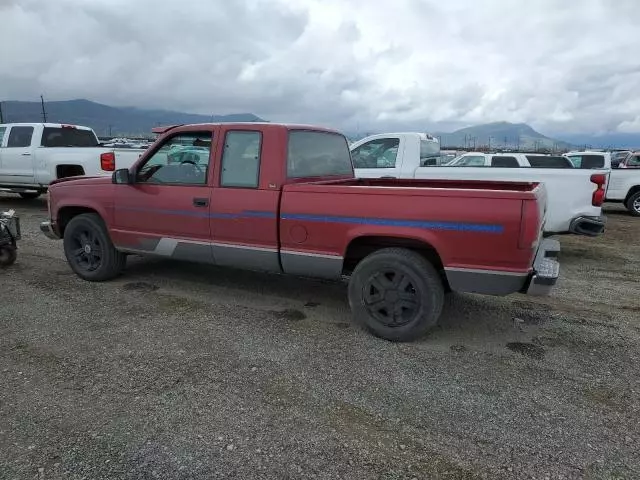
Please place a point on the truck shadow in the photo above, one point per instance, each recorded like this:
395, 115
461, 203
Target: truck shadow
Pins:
10, 201
469, 319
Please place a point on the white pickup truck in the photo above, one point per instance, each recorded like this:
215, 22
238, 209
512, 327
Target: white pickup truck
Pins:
624, 181
32, 155
575, 195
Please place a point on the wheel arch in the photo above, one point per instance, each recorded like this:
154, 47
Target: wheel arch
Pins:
362, 246
632, 191
68, 212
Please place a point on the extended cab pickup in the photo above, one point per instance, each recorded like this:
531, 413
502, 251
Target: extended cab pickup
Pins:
32, 155
575, 196
283, 198
624, 181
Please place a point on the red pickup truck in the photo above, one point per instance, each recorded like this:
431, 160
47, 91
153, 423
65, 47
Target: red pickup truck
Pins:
283, 198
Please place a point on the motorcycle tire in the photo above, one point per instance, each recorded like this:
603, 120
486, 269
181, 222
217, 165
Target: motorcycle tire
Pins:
8, 256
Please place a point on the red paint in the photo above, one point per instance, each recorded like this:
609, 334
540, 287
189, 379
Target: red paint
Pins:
108, 161
132, 212
600, 179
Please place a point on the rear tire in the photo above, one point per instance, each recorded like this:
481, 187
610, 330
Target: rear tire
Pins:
29, 195
90, 251
396, 294
633, 204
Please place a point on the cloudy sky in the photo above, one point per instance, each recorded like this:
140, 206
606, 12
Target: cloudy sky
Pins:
559, 65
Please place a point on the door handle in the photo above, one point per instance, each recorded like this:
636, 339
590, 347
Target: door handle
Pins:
26, 154
200, 202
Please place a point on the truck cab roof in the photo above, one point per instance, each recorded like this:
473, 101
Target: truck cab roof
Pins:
243, 125
45, 125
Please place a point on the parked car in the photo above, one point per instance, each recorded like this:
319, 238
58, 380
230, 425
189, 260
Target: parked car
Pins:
618, 157
575, 195
283, 199
624, 181
32, 155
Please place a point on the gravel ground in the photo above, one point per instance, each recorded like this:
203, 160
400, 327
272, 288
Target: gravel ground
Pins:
184, 371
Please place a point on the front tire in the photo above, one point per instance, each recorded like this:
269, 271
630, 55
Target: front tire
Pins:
633, 204
89, 249
396, 294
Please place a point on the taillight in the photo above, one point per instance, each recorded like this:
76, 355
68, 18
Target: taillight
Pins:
530, 225
108, 161
600, 179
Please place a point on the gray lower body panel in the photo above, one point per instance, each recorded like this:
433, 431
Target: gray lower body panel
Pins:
486, 282
311, 265
540, 281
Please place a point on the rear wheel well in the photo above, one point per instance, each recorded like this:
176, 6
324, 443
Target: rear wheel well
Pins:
632, 191
361, 247
67, 213
64, 171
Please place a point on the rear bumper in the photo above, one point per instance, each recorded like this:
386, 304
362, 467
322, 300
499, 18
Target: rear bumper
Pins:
590, 226
546, 269
50, 230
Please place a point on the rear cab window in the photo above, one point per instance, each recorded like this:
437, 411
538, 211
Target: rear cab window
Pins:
587, 161
504, 161
317, 154
549, 161
68, 137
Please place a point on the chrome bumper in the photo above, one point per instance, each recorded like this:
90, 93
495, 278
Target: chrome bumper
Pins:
546, 268
589, 226
48, 228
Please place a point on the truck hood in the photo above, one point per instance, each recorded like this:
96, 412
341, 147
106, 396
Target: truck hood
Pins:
82, 181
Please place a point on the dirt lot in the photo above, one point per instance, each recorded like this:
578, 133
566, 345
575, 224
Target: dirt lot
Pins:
183, 371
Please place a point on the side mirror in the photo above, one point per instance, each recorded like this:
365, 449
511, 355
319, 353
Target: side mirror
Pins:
122, 175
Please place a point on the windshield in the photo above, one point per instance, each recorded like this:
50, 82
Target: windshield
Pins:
317, 154
68, 137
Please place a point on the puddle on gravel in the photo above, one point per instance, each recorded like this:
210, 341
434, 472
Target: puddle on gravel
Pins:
140, 287
529, 313
458, 348
527, 349
290, 314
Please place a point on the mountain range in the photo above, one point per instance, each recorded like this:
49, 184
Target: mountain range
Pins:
501, 135
110, 121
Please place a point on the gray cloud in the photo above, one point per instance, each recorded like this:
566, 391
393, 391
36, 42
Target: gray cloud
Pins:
560, 66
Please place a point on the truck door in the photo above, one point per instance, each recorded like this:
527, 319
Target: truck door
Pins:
166, 210
378, 158
17, 161
245, 200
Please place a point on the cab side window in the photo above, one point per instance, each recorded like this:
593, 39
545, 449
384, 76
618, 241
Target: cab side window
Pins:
503, 161
20, 137
381, 153
241, 159
181, 160
634, 161
470, 161
2, 130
